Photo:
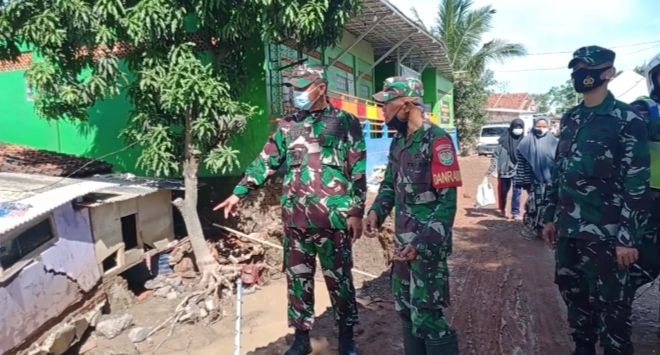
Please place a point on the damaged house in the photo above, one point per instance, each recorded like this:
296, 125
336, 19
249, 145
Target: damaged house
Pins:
60, 236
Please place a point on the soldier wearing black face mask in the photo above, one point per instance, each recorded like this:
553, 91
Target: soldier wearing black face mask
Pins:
596, 207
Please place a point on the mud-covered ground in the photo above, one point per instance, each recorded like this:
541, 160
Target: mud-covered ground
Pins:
504, 300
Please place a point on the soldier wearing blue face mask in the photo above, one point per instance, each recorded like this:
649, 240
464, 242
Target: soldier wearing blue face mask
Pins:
322, 204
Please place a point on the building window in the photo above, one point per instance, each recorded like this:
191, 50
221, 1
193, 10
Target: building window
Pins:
341, 82
15, 249
365, 91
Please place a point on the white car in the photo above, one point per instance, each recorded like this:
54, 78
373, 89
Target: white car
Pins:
489, 136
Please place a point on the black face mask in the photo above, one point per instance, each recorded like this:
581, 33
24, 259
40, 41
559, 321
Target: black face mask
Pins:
585, 80
396, 124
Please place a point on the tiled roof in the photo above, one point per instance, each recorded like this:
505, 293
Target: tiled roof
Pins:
23, 62
520, 101
18, 159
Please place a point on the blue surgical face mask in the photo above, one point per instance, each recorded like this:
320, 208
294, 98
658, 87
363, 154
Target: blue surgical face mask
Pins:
301, 100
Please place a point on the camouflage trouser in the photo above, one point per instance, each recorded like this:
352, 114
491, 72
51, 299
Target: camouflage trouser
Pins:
421, 290
598, 294
535, 207
333, 247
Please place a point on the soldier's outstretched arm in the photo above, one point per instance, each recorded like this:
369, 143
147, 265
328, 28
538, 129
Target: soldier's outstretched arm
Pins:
357, 161
635, 170
264, 166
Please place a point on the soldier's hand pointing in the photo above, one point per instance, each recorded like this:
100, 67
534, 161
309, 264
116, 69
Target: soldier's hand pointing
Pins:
230, 206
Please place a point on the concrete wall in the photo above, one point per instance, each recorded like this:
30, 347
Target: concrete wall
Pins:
153, 222
51, 283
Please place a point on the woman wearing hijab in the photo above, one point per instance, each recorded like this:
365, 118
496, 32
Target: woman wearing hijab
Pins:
505, 161
536, 158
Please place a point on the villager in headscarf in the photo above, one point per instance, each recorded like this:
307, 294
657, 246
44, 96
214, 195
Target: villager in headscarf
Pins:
505, 161
536, 158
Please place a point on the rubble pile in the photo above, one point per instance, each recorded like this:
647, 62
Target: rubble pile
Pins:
261, 211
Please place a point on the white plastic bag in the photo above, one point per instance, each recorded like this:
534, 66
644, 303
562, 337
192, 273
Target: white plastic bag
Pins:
485, 194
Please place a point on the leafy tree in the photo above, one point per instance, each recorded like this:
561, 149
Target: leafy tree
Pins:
186, 60
470, 98
563, 97
542, 102
462, 28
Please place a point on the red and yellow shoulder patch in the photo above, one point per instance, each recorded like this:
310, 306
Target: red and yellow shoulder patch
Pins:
445, 170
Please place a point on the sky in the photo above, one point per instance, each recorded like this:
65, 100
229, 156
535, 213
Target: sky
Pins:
542, 26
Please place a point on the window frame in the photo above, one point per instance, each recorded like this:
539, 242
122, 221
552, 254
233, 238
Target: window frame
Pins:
12, 271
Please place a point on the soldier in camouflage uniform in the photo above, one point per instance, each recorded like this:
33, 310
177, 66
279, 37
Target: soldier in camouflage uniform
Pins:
596, 207
649, 109
322, 202
420, 182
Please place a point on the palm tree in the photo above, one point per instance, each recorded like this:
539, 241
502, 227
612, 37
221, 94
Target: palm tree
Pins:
461, 29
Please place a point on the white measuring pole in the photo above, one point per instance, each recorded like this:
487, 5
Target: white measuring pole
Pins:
239, 306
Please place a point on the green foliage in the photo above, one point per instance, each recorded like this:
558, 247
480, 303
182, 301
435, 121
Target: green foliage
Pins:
563, 97
186, 59
462, 28
470, 98
542, 102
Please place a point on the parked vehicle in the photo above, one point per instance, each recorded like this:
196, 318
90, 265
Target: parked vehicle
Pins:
489, 137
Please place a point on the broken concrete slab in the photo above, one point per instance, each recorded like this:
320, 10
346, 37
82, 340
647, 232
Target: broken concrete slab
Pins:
60, 341
163, 291
139, 334
112, 326
120, 297
155, 283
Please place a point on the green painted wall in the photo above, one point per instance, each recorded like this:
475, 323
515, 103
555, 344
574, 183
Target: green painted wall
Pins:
251, 140
100, 135
94, 138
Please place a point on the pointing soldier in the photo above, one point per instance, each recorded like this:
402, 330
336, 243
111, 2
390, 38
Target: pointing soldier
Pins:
420, 182
322, 202
597, 205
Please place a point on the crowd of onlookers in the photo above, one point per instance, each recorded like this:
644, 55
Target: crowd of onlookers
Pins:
524, 162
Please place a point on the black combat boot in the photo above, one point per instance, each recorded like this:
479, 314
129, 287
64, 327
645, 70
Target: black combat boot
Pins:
447, 345
346, 340
301, 344
584, 348
412, 345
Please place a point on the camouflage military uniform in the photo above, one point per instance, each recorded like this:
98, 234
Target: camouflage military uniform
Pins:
649, 264
424, 218
324, 185
598, 200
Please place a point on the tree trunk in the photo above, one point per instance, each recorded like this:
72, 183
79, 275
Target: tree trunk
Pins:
188, 206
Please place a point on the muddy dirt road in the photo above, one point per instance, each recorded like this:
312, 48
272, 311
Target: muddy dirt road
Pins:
504, 300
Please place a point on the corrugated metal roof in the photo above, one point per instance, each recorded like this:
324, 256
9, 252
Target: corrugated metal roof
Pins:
424, 48
25, 197
14, 214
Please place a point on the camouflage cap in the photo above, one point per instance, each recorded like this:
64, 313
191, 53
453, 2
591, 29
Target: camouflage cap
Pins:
304, 75
592, 55
400, 86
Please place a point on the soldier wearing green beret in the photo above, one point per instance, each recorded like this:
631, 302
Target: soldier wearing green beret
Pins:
420, 183
322, 203
597, 206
